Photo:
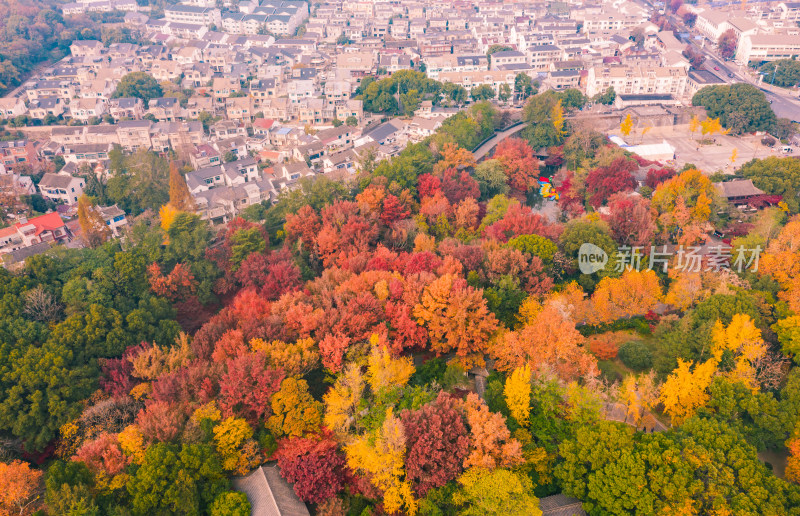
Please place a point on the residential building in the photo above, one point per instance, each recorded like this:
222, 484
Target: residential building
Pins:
26, 233
768, 47
62, 188
635, 80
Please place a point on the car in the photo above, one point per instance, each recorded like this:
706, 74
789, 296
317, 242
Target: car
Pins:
730, 75
716, 68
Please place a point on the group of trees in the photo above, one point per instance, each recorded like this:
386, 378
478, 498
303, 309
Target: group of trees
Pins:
740, 107
783, 72
332, 332
403, 92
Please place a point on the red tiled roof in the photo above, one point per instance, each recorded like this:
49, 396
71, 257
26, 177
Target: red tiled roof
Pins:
7, 231
263, 123
48, 222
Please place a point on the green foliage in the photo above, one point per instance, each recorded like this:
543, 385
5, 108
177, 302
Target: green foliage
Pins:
538, 112
580, 231
496, 491
139, 85
140, 181
482, 92
504, 298
740, 107
379, 96
182, 479
535, 245
776, 176
758, 416
231, 504
430, 371
709, 466
245, 242
636, 354
403, 170
607, 97
491, 178
783, 72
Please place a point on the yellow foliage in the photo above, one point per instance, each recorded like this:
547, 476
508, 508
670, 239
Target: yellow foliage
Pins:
342, 399
638, 394
694, 124
295, 410
141, 391
711, 126
380, 457
295, 359
557, 116
517, 392
384, 371
131, 441
685, 290
207, 411
233, 439
743, 339
423, 242
528, 310
634, 293
686, 390
70, 441
167, 215
381, 290
626, 126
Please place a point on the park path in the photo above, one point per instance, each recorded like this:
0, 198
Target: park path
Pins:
488, 145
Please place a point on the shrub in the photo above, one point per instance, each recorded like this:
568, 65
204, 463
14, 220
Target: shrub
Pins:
604, 348
636, 355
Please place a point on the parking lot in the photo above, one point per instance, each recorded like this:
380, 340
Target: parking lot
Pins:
712, 157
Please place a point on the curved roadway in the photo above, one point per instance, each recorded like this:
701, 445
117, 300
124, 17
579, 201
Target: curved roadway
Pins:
484, 149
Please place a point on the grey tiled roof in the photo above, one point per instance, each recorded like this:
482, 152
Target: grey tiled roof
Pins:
269, 494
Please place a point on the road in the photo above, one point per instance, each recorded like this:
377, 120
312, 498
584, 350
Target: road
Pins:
785, 105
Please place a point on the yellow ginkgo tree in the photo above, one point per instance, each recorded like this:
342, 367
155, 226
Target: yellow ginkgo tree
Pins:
517, 392
686, 389
626, 126
743, 339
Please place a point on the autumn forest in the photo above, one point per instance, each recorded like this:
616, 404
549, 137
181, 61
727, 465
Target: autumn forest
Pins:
417, 340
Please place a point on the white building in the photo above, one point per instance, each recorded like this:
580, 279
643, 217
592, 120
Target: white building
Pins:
635, 80
61, 187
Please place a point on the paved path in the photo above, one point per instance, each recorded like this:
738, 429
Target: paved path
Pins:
484, 149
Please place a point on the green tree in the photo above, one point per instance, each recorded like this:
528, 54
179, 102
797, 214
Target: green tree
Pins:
776, 176
455, 93
708, 468
491, 178
174, 479
581, 231
538, 112
482, 92
607, 97
735, 103
783, 72
410, 102
140, 85
496, 491
231, 504
139, 182
523, 86
351, 121
505, 92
